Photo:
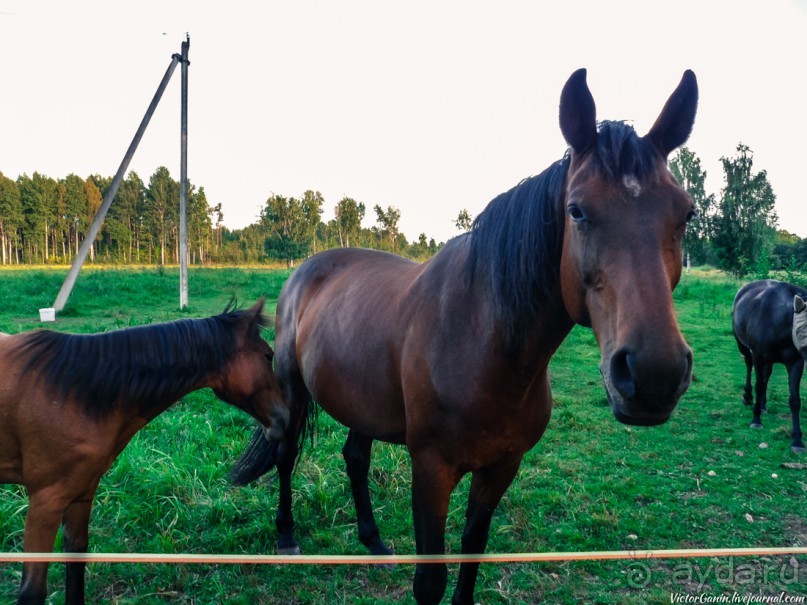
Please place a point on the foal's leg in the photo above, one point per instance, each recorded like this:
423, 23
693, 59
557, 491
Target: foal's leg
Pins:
432, 483
794, 372
487, 488
356, 452
45, 510
76, 523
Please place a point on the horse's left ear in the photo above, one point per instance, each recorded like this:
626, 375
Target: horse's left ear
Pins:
798, 304
674, 124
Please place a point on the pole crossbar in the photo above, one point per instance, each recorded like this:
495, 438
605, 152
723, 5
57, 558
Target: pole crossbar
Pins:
247, 559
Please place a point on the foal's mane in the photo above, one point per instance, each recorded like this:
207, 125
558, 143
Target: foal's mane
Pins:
139, 366
516, 242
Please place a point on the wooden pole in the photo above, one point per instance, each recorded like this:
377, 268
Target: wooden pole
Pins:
92, 232
183, 182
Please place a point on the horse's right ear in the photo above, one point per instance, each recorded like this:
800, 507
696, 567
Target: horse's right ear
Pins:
578, 114
255, 313
257, 308
798, 304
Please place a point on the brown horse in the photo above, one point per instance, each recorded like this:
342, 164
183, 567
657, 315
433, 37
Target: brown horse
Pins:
69, 404
450, 356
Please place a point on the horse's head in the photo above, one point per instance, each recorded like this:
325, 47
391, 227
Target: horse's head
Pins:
800, 325
625, 217
248, 380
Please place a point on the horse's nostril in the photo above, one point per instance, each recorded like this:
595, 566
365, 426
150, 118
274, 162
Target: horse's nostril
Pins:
639, 375
687, 377
622, 374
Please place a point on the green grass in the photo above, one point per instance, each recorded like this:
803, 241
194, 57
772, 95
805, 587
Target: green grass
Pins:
701, 480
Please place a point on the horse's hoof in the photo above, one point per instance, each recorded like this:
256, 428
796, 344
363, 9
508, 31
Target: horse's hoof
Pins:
798, 449
387, 566
289, 551
382, 550
756, 425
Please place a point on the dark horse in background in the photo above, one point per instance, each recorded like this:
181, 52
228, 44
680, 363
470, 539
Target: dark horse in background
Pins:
763, 324
450, 357
70, 403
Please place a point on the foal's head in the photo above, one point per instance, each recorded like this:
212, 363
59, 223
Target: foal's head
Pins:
625, 217
248, 381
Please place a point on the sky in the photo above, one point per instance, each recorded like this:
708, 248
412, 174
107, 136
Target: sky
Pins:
429, 106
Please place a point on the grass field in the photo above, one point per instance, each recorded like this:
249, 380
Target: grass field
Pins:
704, 479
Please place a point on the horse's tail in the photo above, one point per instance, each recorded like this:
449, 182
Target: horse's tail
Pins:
259, 458
262, 455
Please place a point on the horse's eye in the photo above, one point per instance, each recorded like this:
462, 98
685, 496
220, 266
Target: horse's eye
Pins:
691, 215
576, 213
269, 356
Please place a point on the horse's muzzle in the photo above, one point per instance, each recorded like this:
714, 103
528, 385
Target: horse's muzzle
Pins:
643, 389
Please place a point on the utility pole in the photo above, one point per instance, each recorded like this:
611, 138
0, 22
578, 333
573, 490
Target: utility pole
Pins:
183, 181
92, 232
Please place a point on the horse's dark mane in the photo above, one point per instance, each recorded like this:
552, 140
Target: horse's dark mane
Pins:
515, 247
139, 366
516, 241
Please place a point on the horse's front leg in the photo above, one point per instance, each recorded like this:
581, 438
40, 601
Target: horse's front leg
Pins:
356, 452
45, 510
76, 523
432, 483
487, 488
794, 373
762, 370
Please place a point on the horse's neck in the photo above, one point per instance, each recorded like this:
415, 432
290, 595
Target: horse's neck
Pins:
152, 409
546, 333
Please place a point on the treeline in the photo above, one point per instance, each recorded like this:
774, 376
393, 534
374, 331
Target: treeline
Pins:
736, 230
44, 221
290, 229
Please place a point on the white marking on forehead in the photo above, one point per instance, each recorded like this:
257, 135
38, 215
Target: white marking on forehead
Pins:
631, 183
